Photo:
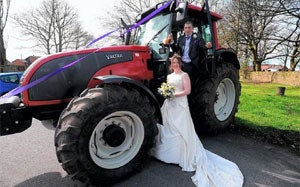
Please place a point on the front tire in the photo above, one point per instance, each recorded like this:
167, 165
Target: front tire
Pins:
104, 135
214, 101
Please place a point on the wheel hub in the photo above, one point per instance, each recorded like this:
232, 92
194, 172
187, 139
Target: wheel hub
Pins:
116, 139
225, 98
114, 135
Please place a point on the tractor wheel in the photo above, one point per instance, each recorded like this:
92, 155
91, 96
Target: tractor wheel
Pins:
214, 102
104, 135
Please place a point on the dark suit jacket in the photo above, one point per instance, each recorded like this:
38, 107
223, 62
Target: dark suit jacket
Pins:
197, 48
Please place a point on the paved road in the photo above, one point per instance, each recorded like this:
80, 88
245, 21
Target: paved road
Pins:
28, 159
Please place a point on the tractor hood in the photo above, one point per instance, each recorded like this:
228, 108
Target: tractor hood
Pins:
79, 67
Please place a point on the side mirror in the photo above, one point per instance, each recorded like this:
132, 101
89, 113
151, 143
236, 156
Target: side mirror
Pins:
181, 11
162, 50
165, 44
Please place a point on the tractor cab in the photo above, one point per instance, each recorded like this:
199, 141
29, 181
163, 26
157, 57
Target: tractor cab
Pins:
154, 32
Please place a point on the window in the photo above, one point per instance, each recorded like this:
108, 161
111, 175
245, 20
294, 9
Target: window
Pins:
10, 79
153, 32
206, 33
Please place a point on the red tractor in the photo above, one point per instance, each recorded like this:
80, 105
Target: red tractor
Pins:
107, 106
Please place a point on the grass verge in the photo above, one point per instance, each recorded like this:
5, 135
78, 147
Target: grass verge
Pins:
269, 117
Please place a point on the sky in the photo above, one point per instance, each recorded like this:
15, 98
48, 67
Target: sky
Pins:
90, 14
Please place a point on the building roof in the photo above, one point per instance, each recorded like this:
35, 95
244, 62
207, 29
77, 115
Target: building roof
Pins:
271, 67
25, 62
19, 62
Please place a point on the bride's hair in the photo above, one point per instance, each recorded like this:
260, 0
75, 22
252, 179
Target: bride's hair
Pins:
179, 59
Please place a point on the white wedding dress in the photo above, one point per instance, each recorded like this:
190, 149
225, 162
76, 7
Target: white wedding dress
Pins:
178, 143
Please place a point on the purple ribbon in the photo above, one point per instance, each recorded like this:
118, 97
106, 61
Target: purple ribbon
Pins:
45, 77
51, 74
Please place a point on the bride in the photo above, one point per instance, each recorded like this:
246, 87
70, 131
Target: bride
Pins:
178, 143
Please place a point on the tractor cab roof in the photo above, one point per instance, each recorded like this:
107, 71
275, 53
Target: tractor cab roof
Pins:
194, 12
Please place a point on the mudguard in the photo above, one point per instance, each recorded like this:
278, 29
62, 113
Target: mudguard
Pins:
108, 79
228, 55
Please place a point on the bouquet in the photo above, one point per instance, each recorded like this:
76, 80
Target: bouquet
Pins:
166, 90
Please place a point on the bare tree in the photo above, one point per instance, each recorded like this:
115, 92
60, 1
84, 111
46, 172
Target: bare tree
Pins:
230, 29
54, 27
81, 38
258, 26
289, 49
292, 10
260, 30
295, 54
4, 9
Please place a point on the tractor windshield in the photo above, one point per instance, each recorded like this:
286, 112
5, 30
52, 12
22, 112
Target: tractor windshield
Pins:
153, 32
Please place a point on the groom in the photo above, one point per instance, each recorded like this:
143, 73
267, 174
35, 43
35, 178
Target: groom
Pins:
191, 47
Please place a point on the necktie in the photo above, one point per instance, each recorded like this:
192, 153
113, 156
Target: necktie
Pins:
188, 37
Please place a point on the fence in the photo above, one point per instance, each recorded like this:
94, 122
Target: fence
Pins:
11, 68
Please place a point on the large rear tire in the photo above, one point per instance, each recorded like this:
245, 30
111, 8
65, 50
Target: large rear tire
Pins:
214, 101
104, 135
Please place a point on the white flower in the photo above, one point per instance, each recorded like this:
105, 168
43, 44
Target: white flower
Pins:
195, 36
166, 90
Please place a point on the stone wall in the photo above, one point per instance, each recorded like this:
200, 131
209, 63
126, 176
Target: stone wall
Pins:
281, 77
